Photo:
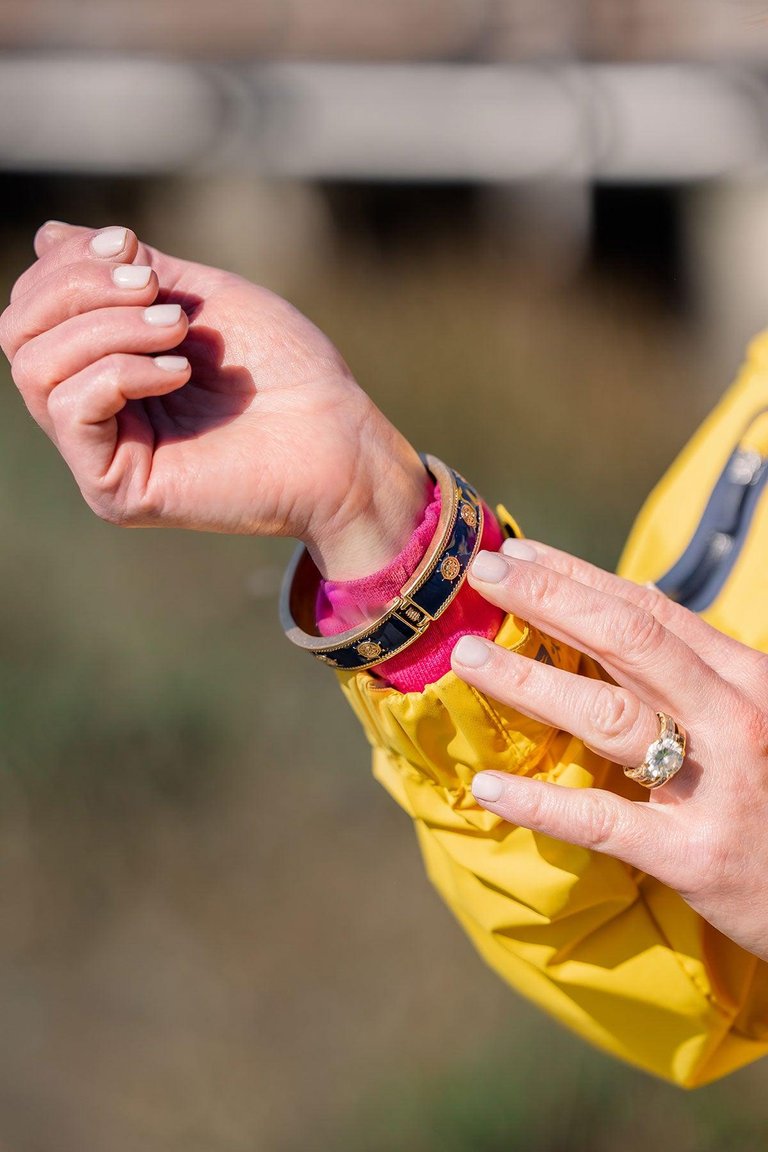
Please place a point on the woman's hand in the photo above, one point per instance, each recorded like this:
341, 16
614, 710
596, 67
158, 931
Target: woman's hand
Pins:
253, 423
704, 832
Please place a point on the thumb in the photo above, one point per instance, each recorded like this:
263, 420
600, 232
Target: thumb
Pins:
53, 232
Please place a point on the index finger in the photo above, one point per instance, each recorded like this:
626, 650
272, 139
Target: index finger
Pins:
113, 243
733, 661
629, 642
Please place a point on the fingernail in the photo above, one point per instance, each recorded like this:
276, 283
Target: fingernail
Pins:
131, 275
490, 567
487, 787
472, 652
109, 242
163, 315
172, 363
519, 550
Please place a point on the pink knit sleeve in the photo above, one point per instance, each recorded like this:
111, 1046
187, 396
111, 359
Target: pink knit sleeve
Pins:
343, 604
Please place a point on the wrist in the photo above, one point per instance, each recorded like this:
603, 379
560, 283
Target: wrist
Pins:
423, 596
341, 605
380, 511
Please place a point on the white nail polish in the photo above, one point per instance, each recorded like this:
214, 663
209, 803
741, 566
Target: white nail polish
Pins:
490, 567
131, 275
109, 242
487, 787
163, 315
472, 652
172, 363
519, 550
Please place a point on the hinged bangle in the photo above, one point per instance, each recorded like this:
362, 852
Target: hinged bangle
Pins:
423, 598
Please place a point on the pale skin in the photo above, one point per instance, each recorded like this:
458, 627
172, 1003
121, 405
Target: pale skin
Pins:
702, 833
233, 413
255, 426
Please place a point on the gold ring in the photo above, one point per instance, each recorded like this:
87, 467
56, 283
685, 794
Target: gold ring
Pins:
664, 757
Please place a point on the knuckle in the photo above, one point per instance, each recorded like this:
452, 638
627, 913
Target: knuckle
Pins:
21, 285
65, 402
570, 566
6, 328
754, 725
540, 811
74, 280
68, 280
594, 828
23, 369
121, 506
640, 631
518, 672
59, 404
93, 326
146, 508
106, 509
105, 501
111, 369
77, 394
598, 824
542, 588
652, 601
613, 713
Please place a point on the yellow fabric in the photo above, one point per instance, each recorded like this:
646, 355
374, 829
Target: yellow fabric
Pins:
611, 953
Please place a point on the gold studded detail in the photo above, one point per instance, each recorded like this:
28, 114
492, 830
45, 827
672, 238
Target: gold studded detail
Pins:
369, 650
450, 568
421, 599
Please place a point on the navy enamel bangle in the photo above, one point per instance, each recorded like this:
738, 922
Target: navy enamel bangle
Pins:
423, 598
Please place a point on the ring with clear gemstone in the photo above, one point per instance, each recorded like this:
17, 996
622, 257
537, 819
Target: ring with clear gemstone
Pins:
664, 757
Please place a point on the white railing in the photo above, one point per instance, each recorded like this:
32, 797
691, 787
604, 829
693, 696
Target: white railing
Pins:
484, 123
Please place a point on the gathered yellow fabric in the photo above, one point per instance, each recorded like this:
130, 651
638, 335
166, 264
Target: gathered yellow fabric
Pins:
612, 953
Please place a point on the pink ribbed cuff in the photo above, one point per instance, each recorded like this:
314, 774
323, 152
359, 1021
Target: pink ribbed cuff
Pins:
343, 604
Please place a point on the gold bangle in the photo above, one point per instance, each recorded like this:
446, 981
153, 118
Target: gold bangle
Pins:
423, 598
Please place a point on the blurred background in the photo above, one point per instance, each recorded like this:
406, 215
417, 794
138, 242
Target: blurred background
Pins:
537, 231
